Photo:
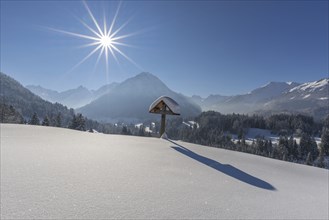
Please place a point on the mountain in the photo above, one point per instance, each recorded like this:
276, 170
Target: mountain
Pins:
267, 92
55, 173
275, 97
103, 90
209, 101
310, 98
26, 103
311, 90
131, 99
73, 98
248, 102
46, 94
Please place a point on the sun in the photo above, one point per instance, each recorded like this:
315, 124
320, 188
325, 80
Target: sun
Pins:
105, 40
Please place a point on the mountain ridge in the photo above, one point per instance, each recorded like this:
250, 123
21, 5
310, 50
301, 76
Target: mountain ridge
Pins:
309, 98
73, 98
27, 103
130, 100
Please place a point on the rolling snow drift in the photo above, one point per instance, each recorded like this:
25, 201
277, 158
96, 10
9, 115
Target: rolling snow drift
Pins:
55, 173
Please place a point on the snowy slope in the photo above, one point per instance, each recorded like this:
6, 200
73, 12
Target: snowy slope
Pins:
310, 98
312, 86
311, 90
267, 92
59, 173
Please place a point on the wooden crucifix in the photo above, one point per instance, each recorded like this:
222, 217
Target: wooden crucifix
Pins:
164, 105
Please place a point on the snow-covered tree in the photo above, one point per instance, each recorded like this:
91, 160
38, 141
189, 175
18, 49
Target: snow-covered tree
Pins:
45, 121
308, 146
325, 136
325, 140
35, 119
321, 157
59, 120
78, 123
309, 159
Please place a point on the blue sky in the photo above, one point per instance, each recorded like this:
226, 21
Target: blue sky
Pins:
195, 47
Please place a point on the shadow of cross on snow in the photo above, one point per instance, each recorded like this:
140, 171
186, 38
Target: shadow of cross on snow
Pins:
225, 168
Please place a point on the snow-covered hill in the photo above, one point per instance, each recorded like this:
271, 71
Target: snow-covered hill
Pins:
55, 173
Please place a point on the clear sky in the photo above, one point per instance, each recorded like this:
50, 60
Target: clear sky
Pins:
195, 47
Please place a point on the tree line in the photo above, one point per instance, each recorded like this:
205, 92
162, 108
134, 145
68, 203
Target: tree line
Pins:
216, 130
72, 120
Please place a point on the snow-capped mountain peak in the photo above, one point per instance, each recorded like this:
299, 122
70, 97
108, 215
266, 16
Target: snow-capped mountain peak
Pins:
271, 90
308, 98
311, 86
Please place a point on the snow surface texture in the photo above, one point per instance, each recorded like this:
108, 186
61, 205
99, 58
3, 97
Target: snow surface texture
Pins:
60, 173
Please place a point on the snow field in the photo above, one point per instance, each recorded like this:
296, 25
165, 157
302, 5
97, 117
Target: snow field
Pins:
54, 173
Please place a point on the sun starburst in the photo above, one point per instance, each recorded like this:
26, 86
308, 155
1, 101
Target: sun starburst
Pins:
105, 40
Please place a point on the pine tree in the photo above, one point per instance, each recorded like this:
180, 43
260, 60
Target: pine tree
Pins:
308, 145
45, 121
124, 130
299, 152
292, 149
325, 136
321, 157
283, 147
269, 148
59, 120
35, 119
295, 150
243, 144
309, 159
78, 123
8, 114
73, 124
141, 131
325, 140
81, 123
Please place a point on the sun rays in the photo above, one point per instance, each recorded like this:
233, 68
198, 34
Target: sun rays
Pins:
104, 39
